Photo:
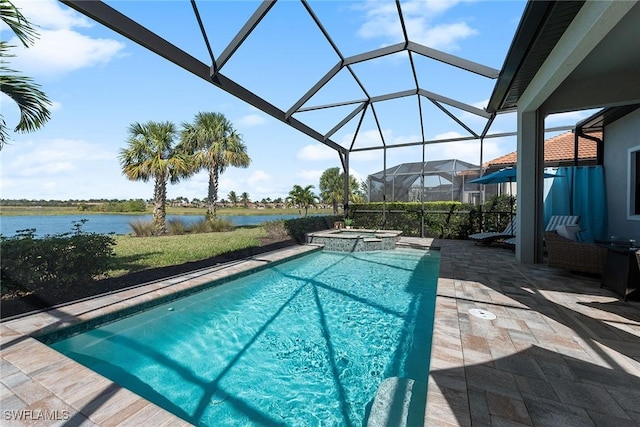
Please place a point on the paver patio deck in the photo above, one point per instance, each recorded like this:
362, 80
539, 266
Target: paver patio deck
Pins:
560, 352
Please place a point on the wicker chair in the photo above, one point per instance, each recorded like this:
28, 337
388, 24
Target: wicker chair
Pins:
574, 256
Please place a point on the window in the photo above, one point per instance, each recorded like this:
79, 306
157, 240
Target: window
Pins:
633, 189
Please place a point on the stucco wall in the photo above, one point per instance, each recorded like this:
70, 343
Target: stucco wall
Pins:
619, 137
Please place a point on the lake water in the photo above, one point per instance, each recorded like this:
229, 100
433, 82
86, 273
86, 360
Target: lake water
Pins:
108, 223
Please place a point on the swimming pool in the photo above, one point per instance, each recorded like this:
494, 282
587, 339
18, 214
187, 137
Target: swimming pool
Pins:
305, 342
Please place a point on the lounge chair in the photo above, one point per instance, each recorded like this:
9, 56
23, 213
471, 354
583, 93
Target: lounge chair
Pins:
574, 256
492, 236
554, 222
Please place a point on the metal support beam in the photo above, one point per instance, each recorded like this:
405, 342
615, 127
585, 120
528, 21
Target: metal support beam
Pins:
345, 200
458, 139
453, 60
355, 134
453, 103
316, 87
244, 32
203, 31
345, 120
378, 53
454, 118
335, 104
111, 18
395, 95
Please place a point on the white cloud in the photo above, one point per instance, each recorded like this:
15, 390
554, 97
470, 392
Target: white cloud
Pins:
258, 177
55, 106
251, 120
46, 58
310, 176
316, 152
64, 169
382, 22
468, 151
357, 175
50, 14
59, 49
366, 156
53, 157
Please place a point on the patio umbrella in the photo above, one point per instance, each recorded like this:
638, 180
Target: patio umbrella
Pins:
502, 176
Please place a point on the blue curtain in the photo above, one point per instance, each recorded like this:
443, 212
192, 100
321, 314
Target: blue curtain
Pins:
579, 191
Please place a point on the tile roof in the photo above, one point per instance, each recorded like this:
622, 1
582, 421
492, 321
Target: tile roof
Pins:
557, 149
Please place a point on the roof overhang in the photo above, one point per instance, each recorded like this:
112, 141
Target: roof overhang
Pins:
604, 117
589, 48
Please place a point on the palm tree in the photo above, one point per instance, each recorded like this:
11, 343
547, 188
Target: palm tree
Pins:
303, 198
32, 102
151, 155
332, 188
216, 146
233, 198
244, 198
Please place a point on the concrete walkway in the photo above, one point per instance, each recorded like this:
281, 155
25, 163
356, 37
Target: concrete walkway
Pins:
560, 352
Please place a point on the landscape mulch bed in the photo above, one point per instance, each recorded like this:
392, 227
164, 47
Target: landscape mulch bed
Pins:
41, 300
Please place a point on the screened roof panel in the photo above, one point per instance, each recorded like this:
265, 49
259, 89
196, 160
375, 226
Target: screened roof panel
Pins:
271, 47
326, 119
431, 73
343, 87
343, 20
406, 128
189, 39
387, 74
304, 54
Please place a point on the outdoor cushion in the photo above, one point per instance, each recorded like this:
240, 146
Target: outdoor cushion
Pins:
558, 220
568, 231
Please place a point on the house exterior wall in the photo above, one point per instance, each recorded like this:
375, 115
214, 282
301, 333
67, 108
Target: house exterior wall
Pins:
619, 137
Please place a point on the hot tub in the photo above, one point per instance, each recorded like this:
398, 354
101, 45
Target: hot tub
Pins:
355, 240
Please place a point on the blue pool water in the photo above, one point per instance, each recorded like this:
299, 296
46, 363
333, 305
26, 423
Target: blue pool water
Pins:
305, 342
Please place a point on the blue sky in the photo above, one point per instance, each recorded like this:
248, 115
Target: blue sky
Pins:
100, 83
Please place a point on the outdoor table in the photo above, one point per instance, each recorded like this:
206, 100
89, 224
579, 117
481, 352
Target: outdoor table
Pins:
621, 273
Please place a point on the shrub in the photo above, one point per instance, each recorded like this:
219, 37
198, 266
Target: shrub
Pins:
496, 212
176, 226
212, 225
296, 228
221, 224
142, 228
448, 220
56, 261
276, 229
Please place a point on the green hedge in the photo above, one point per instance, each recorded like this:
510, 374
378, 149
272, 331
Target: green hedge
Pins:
446, 220
56, 261
296, 228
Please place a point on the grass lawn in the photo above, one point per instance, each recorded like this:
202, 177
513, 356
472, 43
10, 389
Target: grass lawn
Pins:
139, 253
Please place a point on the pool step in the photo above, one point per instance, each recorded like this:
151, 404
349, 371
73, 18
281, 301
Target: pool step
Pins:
399, 402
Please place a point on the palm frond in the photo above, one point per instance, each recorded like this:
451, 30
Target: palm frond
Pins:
32, 102
15, 20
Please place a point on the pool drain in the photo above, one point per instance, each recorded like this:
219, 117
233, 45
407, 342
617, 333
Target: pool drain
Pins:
482, 314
